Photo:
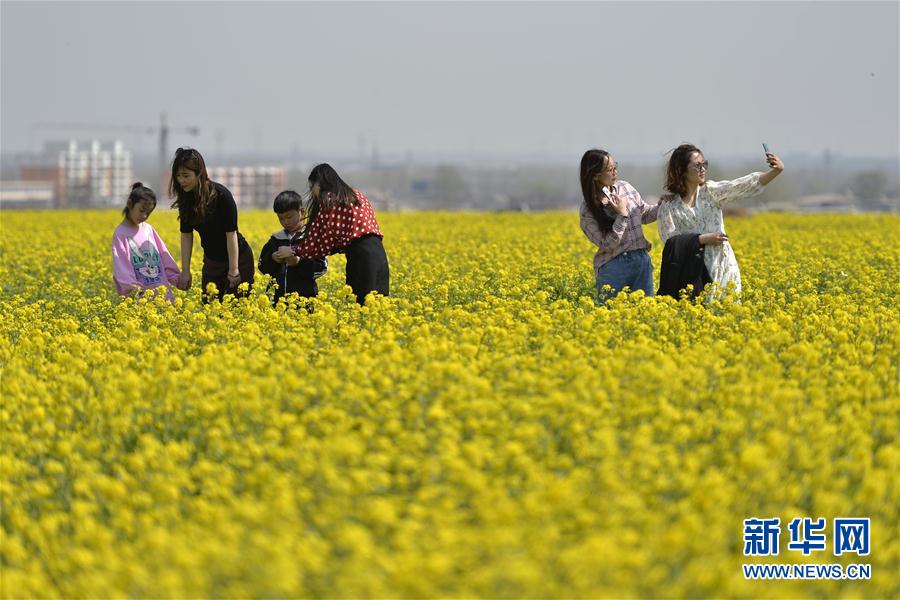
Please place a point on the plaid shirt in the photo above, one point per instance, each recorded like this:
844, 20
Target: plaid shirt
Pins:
626, 234
335, 228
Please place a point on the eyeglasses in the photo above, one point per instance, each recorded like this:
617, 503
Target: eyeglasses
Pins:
699, 166
612, 168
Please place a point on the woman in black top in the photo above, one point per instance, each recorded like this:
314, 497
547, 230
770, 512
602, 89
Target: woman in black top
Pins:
209, 208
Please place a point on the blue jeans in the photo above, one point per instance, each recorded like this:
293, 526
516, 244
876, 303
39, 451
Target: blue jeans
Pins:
632, 269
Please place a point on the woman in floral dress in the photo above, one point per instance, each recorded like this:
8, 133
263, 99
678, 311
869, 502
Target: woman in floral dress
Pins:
695, 206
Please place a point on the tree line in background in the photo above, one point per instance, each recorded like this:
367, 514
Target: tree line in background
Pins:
827, 185
555, 187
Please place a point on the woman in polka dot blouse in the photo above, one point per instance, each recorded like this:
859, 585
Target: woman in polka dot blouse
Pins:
342, 220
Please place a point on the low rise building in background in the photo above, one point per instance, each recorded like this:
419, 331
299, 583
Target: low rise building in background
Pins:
86, 176
251, 186
37, 195
831, 203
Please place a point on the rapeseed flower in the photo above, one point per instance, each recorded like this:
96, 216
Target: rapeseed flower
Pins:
488, 430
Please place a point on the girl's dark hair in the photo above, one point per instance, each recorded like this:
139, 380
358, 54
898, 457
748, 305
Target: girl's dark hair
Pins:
192, 206
287, 200
592, 163
677, 169
333, 191
139, 193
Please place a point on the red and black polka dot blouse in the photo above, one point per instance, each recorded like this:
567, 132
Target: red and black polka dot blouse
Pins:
335, 228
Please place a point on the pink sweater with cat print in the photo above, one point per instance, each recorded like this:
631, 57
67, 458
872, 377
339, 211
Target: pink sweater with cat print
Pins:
141, 260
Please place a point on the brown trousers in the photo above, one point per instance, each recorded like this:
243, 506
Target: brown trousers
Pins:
216, 271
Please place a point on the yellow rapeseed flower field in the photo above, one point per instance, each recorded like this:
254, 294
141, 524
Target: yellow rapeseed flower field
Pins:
487, 431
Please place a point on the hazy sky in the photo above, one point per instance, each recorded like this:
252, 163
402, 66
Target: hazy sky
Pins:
441, 79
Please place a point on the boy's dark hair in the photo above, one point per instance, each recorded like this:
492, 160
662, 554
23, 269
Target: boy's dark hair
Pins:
139, 193
287, 200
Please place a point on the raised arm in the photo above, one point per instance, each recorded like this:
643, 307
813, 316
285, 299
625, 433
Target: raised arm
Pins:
648, 211
776, 167
592, 230
726, 192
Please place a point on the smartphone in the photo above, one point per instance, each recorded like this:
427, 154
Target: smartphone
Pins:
766, 147
607, 194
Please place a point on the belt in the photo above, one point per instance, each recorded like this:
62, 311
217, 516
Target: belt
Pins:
627, 252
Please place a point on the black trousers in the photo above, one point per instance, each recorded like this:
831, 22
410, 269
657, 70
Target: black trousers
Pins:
367, 267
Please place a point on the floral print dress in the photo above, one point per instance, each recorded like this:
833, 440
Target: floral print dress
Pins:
676, 218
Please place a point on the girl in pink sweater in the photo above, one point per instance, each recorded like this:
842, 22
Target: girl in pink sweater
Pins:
140, 259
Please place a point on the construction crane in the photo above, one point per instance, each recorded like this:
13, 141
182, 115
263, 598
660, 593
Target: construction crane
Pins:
163, 130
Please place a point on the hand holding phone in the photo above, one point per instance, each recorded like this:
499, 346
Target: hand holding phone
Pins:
775, 166
773, 160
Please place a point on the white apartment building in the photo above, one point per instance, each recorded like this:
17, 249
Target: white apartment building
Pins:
95, 176
251, 186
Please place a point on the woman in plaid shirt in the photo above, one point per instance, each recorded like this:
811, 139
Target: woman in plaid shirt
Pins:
341, 220
611, 217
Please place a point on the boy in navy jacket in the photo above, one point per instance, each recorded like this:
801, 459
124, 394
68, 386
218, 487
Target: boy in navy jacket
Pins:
293, 274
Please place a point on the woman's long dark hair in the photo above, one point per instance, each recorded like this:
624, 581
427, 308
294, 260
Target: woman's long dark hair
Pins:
192, 206
677, 169
332, 191
592, 163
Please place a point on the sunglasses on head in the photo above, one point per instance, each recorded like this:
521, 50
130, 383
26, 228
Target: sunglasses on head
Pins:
182, 151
